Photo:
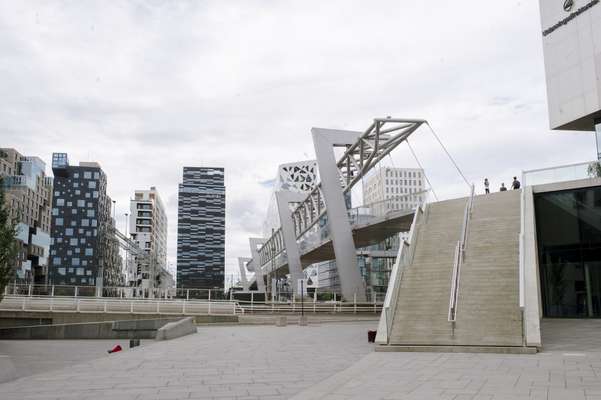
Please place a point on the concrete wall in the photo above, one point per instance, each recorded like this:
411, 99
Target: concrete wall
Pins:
572, 49
138, 329
20, 318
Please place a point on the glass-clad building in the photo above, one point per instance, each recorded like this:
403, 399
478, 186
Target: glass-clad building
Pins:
201, 229
569, 250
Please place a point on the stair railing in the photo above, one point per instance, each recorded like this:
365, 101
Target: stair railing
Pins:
404, 258
458, 258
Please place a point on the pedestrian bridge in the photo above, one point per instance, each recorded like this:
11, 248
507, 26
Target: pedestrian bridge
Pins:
319, 226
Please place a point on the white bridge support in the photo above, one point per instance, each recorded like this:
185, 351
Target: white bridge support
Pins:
242, 261
283, 199
324, 141
254, 252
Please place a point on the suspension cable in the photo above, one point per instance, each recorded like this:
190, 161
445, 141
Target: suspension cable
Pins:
448, 154
422, 168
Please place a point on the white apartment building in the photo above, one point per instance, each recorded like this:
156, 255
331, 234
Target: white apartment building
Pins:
387, 189
148, 228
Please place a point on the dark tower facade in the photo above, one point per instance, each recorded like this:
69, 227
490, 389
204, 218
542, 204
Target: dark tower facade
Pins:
201, 229
82, 249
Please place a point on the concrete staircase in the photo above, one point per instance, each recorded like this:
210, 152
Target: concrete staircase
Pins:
488, 307
488, 312
423, 301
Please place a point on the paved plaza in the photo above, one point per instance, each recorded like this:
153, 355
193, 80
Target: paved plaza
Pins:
228, 362
324, 361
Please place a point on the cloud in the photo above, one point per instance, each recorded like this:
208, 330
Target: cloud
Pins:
148, 87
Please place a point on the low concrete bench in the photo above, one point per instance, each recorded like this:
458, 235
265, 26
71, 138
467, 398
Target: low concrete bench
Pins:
176, 329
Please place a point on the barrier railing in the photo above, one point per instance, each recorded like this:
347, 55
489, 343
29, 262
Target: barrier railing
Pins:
404, 258
114, 292
458, 258
561, 173
119, 306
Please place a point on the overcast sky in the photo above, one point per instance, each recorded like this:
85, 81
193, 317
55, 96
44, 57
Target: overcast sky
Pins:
146, 87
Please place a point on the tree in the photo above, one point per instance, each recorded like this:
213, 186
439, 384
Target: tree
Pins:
8, 243
594, 170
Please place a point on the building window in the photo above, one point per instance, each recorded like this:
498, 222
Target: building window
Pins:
79, 271
96, 175
95, 194
61, 271
56, 261
75, 261
58, 222
81, 203
89, 252
73, 241
60, 202
69, 232
87, 175
76, 175
85, 222
90, 213
92, 185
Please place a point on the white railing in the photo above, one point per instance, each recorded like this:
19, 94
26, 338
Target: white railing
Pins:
560, 173
404, 258
458, 258
119, 306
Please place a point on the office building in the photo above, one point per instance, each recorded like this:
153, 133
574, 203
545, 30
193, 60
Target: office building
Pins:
572, 48
28, 197
83, 248
148, 229
387, 189
201, 229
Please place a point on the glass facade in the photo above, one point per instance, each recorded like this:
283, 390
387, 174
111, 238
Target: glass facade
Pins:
569, 245
201, 229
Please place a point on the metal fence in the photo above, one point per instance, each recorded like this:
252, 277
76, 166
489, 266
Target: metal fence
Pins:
118, 306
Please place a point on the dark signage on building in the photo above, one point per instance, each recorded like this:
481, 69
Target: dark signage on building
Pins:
567, 6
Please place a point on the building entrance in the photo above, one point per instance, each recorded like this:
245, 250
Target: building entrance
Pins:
568, 227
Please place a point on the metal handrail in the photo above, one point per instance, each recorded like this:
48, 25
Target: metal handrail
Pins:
404, 258
458, 258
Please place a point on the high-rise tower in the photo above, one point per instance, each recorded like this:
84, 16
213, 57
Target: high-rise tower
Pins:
201, 229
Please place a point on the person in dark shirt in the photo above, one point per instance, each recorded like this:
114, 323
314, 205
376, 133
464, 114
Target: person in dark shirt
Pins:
516, 184
503, 188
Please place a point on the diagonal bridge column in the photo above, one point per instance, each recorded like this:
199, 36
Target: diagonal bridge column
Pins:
324, 141
243, 278
254, 252
283, 199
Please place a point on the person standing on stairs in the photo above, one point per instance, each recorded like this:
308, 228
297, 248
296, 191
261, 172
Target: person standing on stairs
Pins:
486, 186
503, 188
516, 184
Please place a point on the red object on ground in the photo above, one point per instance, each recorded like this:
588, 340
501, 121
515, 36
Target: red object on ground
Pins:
371, 336
115, 349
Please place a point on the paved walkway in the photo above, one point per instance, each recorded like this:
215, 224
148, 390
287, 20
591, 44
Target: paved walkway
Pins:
237, 362
325, 361
569, 368
19, 358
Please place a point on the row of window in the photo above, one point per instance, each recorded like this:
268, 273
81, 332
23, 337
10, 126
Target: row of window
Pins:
85, 222
403, 174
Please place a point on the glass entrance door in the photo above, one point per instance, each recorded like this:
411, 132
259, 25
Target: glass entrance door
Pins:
568, 225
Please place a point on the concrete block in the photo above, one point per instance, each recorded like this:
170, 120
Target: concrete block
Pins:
176, 329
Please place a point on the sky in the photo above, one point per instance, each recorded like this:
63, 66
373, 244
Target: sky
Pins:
147, 87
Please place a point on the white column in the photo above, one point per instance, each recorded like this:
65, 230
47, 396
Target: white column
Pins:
339, 226
254, 242
598, 137
283, 198
241, 262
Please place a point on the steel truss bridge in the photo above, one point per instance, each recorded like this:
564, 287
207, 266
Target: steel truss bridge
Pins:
320, 227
